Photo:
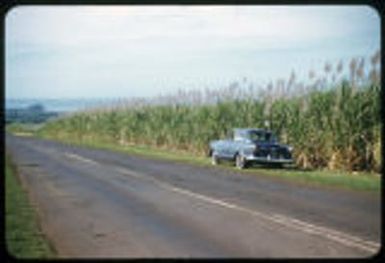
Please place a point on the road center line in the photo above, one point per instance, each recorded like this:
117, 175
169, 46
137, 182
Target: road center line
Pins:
80, 158
342, 238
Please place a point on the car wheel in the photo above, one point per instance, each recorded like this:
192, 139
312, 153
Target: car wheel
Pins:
214, 159
278, 165
240, 161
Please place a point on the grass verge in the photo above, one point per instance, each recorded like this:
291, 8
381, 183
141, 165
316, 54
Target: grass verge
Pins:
24, 238
20, 129
361, 181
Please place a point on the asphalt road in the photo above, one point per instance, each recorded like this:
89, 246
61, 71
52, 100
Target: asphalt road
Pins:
98, 203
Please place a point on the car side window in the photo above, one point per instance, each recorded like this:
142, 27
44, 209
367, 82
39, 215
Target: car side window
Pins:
230, 135
246, 135
255, 136
238, 135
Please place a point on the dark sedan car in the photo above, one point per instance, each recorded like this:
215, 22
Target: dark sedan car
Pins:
248, 146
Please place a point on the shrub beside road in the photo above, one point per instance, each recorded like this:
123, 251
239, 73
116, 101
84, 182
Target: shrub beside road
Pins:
24, 238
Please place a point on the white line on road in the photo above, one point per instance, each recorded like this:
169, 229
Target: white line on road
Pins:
80, 158
342, 238
125, 171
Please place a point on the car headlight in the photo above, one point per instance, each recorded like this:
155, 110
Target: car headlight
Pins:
290, 148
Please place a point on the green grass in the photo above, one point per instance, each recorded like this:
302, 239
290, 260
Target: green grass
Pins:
23, 236
354, 181
361, 181
21, 129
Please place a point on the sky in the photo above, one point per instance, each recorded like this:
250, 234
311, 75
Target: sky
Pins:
145, 51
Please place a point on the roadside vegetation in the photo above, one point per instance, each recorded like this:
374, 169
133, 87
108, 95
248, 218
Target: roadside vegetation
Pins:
332, 119
24, 238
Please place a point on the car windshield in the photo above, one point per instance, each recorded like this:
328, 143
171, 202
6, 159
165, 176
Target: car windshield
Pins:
260, 136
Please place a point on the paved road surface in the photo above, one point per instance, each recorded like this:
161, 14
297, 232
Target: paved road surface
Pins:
97, 203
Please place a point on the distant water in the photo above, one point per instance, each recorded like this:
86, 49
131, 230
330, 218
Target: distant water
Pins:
58, 105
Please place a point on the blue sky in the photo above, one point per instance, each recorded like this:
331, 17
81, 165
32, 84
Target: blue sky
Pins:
143, 51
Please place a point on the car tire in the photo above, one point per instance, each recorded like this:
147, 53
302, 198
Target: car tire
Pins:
278, 165
214, 159
240, 161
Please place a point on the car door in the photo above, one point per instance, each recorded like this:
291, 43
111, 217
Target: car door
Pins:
233, 146
227, 144
239, 141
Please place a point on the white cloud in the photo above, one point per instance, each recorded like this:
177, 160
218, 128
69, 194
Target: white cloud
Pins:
77, 26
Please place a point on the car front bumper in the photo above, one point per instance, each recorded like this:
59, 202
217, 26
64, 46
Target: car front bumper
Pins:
268, 159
